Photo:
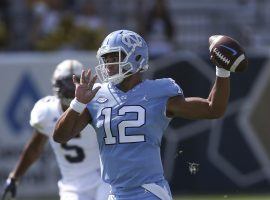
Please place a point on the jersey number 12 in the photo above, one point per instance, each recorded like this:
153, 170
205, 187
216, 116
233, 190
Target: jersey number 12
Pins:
123, 138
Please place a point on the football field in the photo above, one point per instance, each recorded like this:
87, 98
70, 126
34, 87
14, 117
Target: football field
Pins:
197, 197
224, 197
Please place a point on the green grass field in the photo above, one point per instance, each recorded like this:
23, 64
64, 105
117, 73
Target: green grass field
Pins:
224, 197
199, 197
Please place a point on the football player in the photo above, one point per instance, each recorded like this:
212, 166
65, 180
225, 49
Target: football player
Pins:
77, 159
130, 115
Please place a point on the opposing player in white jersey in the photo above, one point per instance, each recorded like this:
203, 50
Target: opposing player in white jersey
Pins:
77, 159
130, 115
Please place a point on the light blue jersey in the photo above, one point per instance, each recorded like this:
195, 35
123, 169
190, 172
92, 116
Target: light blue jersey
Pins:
129, 128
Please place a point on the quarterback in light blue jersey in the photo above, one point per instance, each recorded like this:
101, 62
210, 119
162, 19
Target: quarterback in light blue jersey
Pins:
130, 115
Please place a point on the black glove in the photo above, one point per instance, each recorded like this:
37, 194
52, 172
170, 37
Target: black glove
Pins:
10, 189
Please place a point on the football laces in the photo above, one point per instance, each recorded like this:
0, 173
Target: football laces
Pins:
221, 56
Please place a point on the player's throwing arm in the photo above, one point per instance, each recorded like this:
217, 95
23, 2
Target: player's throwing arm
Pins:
228, 56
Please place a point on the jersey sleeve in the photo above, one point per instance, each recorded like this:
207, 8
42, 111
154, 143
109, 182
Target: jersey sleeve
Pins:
163, 89
168, 87
38, 118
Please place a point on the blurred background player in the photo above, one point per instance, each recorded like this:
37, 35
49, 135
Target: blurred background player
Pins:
77, 159
130, 115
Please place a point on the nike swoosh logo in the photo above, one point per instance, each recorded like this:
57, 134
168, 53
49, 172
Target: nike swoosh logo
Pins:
230, 49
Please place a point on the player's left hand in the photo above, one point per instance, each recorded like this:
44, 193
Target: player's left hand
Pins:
10, 189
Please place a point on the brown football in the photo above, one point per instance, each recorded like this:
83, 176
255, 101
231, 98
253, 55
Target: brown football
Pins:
227, 53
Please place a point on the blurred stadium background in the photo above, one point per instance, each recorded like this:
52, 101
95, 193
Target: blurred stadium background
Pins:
227, 158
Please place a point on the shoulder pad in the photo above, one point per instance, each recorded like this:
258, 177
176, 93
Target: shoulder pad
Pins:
40, 113
166, 87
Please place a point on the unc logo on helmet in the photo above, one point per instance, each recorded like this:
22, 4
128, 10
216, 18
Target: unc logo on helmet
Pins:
132, 55
132, 40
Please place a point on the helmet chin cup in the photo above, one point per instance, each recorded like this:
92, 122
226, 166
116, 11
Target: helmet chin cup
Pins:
115, 78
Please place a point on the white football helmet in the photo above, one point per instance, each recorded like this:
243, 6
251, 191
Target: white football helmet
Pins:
62, 82
129, 44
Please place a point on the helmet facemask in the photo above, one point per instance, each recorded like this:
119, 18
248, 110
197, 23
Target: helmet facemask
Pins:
116, 68
64, 89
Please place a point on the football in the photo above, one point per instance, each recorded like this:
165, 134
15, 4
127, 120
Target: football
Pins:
227, 53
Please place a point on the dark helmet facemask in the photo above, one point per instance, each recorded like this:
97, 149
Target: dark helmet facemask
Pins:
64, 89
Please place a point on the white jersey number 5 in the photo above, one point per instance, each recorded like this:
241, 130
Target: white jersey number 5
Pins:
123, 138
